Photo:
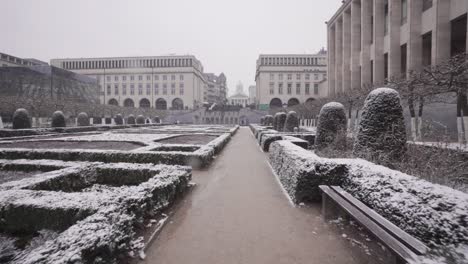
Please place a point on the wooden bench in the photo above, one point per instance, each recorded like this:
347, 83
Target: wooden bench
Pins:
405, 248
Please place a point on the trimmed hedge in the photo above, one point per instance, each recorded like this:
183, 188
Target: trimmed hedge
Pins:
58, 119
21, 119
83, 119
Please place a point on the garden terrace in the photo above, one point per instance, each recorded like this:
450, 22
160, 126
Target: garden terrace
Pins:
81, 211
187, 147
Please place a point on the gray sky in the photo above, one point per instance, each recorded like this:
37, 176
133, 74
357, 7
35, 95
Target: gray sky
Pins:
227, 36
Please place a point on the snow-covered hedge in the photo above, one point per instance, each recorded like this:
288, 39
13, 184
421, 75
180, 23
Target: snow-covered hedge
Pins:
291, 122
83, 119
58, 119
331, 127
21, 119
280, 119
99, 222
435, 214
301, 171
270, 138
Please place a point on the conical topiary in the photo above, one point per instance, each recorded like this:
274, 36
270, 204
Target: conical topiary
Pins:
118, 119
280, 118
83, 119
131, 120
269, 119
58, 119
381, 134
140, 120
292, 121
331, 127
21, 119
157, 120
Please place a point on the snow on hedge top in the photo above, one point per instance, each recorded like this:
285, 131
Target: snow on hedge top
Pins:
109, 136
384, 90
332, 105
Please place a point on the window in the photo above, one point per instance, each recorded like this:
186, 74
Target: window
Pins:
307, 76
172, 77
272, 88
173, 88
372, 71
289, 77
148, 89
316, 76
140, 89
427, 4
316, 88
156, 77
124, 78
181, 88
108, 89
458, 35
385, 66
132, 89
298, 76
280, 76
140, 78
307, 88
164, 77
108, 78
427, 49
386, 19
298, 88
372, 30
164, 88
116, 89
272, 76
181, 77
404, 11
116, 78
280, 88
289, 88
156, 88
404, 59
132, 78
148, 77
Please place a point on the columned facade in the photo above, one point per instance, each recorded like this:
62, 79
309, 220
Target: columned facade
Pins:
371, 41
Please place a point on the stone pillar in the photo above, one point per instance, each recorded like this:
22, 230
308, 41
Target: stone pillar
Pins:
91, 121
355, 44
112, 121
331, 60
103, 121
379, 35
339, 55
366, 13
1, 123
346, 50
441, 35
394, 55
76, 121
415, 39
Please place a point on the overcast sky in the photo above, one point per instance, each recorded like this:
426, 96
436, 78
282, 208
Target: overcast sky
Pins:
227, 36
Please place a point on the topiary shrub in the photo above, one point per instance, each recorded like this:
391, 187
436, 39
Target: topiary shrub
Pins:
292, 121
262, 120
140, 119
331, 127
157, 120
58, 119
21, 119
118, 119
280, 121
381, 135
131, 120
83, 119
269, 120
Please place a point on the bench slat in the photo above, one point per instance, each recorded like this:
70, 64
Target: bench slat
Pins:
414, 244
392, 243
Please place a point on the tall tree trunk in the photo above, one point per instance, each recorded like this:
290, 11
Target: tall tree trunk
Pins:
462, 115
412, 114
350, 116
419, 122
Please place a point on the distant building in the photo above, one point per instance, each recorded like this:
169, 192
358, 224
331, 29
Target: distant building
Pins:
370, 41
215, 91
252, 94
12, 61
288, 80
239, 98
161, 82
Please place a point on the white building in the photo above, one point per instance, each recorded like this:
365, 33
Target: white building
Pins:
161, 82
288, 80
239, 98
370, 41
252, 94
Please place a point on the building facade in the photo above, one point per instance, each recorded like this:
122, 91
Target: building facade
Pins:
7, 60
370, 41
215, 90
252, 94
161, 82
288, 80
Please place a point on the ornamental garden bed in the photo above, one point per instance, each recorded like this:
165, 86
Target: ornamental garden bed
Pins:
83, 212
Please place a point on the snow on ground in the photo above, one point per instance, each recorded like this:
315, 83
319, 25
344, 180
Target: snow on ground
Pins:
146, 139
451, 145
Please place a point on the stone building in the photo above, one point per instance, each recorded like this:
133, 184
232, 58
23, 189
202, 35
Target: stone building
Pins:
7, 60
252, 94
161, 82
216, 89
372, 40
288, 80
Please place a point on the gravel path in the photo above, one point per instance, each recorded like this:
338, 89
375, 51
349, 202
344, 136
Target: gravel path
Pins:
237, 213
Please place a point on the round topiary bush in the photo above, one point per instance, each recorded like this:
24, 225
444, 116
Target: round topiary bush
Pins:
131, 120
292, 121
269, 119
58, 119
331, 127
280, 121
83, 119
118, 119
140, 119
157, 120
381, 133
21, 119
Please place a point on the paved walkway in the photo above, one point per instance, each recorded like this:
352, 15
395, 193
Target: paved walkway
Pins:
238, 213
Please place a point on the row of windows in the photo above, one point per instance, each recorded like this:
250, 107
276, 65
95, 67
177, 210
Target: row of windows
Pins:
292, 61
289, 88
298, 76
127, 63
116, 78
148, 89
